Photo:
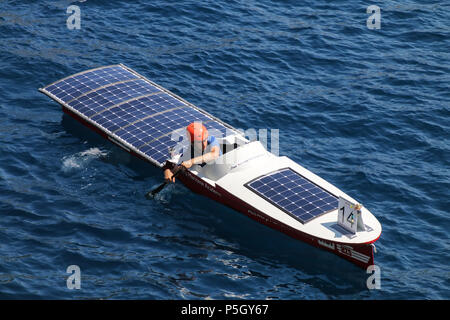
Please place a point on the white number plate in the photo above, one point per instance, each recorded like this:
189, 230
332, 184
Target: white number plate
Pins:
347, 215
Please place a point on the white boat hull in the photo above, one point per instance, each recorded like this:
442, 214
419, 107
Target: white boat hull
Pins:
253, 161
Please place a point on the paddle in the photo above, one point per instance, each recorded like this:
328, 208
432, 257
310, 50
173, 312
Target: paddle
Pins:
176, 171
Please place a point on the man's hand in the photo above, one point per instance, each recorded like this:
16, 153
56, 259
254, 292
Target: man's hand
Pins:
187, 164
168, 175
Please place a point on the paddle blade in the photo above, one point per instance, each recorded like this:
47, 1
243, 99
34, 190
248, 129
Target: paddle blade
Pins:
152, 193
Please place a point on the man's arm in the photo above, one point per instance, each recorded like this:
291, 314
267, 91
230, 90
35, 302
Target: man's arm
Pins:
210, 156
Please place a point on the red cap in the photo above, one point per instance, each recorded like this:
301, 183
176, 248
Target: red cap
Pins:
197, 131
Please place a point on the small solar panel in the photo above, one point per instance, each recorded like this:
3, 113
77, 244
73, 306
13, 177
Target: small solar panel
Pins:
131, 109
294, 194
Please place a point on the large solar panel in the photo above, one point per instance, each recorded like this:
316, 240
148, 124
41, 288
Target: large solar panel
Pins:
131, 109
294, 194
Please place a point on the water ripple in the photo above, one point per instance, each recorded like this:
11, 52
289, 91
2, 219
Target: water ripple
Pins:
366, 109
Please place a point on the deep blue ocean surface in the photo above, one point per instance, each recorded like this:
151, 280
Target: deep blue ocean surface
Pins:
366, 109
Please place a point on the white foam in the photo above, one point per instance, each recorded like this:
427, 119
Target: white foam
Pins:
81, 159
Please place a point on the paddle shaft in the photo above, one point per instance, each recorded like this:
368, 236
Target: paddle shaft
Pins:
176, 171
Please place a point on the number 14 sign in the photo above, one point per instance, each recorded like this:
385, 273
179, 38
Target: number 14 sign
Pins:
349, 216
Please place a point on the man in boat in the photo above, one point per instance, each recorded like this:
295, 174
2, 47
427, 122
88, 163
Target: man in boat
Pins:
203, 149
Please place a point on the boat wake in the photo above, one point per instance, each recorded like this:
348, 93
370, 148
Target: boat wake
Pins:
81, 159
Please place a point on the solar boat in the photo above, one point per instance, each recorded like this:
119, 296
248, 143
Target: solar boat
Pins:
148, 121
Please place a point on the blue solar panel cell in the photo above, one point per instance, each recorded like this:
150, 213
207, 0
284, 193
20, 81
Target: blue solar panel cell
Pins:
159, 149
294, 194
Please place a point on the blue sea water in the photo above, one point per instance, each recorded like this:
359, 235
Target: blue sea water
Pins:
368, 110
